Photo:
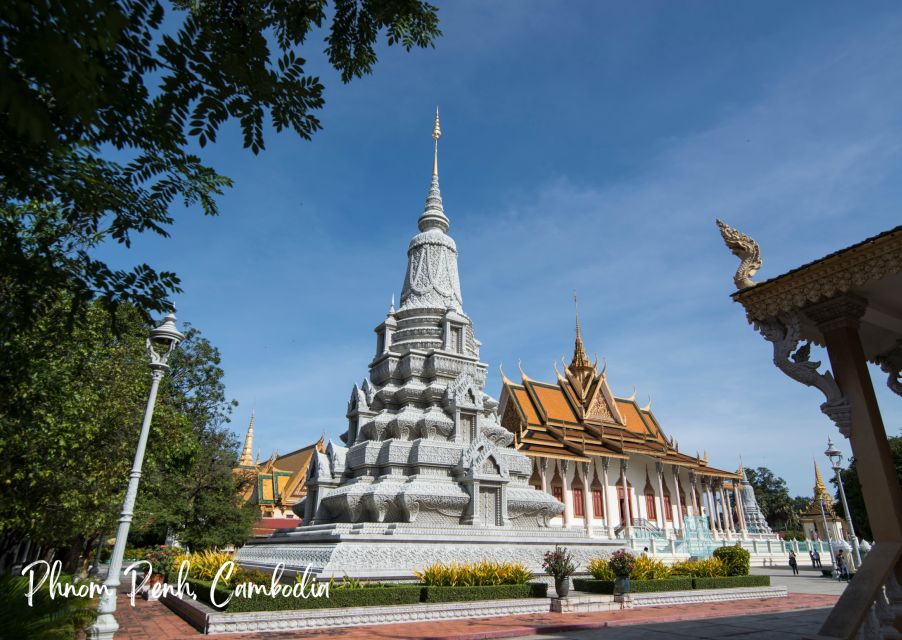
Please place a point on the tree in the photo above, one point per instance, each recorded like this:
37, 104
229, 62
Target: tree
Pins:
773, 498
68, 433
854, 497
100, 104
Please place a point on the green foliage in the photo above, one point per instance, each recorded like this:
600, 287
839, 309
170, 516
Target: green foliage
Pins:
706, 568
600, 569
150, 80
482, 573
162, 558
636, 586
559, 563
794, 535
47, 619
69, 427
736, 560
493, 592
854, 497
780, 510
371, 595
204, 565
731, 582
648, 568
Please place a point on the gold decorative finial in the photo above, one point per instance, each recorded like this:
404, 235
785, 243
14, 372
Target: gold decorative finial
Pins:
247, 458
580, 359
436, 134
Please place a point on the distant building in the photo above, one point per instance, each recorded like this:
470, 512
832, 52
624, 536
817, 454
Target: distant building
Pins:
276, 485
813, 518
611, 464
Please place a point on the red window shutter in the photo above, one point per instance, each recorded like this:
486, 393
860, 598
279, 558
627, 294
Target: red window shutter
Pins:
668, 512
558, 492
650, 506
578, 505
597, 504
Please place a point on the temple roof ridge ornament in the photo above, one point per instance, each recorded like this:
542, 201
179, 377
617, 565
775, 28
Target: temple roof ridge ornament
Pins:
744, 248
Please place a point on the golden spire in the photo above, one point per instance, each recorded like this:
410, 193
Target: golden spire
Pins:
580, 359
247, 458
820, 489
436, 134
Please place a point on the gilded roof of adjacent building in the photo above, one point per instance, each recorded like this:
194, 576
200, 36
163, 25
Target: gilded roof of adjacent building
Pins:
578, 417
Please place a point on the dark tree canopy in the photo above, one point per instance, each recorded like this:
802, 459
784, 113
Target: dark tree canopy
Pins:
147, 78
854, 497
772, 494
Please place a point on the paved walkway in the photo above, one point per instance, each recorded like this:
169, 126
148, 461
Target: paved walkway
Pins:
154, 620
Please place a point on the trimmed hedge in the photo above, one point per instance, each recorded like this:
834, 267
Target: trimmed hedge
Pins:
736, 559
368, 596
376, 595
731, 582
636, 586
493, 592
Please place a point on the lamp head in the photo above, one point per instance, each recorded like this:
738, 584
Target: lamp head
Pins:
834, 454
162, 342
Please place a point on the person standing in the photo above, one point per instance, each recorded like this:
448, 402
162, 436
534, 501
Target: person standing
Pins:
811, 555
842, 566
793, 563
817, 558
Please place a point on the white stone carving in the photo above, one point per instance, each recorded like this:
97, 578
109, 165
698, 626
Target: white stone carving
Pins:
746, 250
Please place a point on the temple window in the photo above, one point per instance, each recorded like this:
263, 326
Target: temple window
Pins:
578, 504
597, 504
557, 487
668, 511
650, 512
380, 343
468, 427
457, 339
623, 498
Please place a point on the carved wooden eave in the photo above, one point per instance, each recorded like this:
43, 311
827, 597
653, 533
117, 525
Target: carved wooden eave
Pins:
871, 270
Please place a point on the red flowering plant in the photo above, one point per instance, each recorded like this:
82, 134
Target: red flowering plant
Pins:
622, 563
559, 563
161, 559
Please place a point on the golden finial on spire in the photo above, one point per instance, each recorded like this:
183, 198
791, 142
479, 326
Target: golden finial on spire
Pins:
580, 359
436, 134
247, 458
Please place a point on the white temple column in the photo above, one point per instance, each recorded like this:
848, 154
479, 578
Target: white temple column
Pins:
662, 517
725, 510
608, 518
587, 475
568, 493
693, 481
678, 522
543, 474
712, 508
737, 497
626, 496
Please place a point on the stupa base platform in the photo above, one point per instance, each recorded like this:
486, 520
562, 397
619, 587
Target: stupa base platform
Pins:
396, 550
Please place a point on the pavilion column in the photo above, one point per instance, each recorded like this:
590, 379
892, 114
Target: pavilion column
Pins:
728, 508
543, 474
678, 523
839, 319
662, 517
628, 506
585, 470
608, 518
725, 509
693, 481
737, 498
712, 511
568, 493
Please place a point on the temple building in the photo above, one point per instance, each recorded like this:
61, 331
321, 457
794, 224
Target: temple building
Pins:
821, 512
276, 485
609, 461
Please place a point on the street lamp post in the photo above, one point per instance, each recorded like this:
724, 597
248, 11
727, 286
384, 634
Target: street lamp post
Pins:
835, 457
162, 342
827, 533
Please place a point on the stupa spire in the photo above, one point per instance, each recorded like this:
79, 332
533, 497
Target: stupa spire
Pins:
247, 458
434, 212
820, 489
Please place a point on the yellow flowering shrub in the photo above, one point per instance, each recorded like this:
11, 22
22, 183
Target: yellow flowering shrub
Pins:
473, 574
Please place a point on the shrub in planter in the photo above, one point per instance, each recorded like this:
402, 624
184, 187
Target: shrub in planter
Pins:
472, 574
622, 562
559, 563
731, 582
736, 560
707, 568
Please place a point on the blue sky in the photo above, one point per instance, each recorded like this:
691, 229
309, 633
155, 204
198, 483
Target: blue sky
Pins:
587, 146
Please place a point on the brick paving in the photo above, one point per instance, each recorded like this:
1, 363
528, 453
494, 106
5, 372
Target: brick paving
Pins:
154, 620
